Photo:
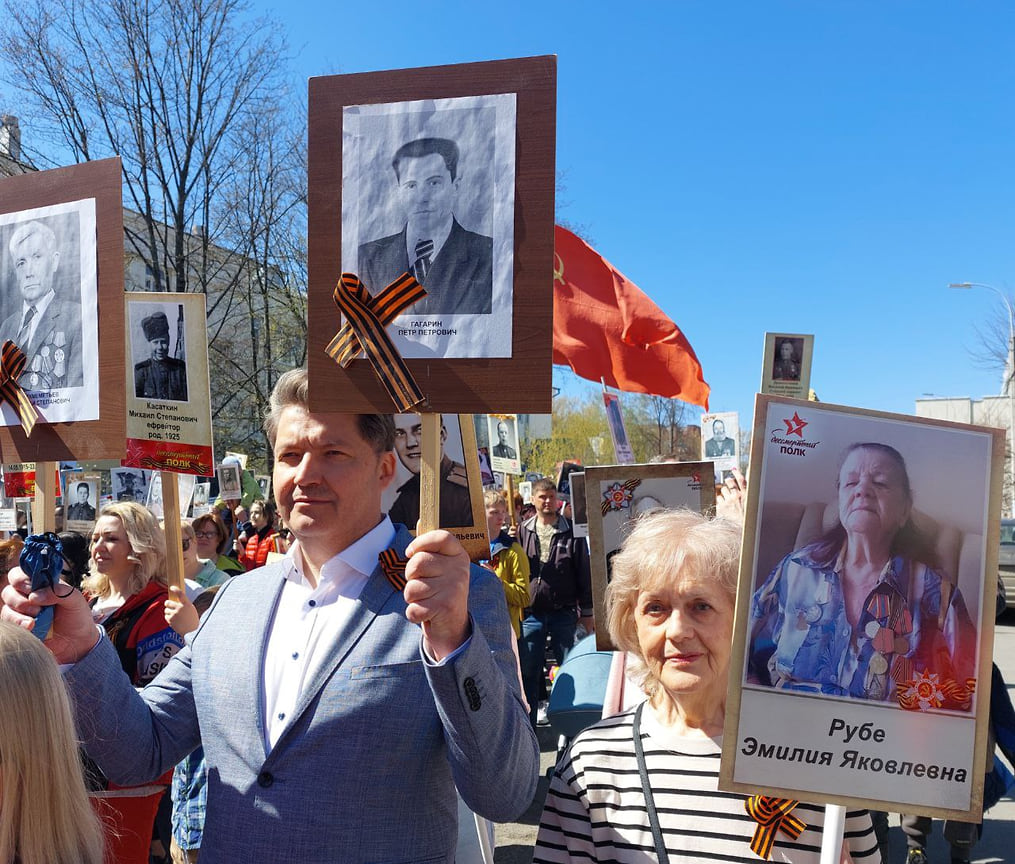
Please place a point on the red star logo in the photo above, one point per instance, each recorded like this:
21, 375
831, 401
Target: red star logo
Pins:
795, 426
695, 476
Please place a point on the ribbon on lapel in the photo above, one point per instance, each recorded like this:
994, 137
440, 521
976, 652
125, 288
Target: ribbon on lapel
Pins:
12, 364
772, 815
366, 319
393, 566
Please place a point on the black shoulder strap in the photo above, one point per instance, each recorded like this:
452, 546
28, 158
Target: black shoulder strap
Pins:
118, 628
650, 804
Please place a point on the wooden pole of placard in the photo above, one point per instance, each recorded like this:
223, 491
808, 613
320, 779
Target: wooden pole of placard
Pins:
509, 485
44, 503
429, 473
174, 533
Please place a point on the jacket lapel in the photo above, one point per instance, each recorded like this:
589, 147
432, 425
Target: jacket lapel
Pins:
376, 594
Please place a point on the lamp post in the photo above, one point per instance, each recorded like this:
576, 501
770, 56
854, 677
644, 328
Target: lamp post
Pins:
1009, 383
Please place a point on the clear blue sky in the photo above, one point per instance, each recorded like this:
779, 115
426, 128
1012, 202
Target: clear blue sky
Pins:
815, 167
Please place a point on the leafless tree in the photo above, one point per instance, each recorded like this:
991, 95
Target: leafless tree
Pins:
193, 96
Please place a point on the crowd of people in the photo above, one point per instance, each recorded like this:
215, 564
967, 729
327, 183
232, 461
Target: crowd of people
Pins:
322, 669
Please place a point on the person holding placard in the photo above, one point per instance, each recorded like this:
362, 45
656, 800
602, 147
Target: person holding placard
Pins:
670, 607
866, 611
363, 647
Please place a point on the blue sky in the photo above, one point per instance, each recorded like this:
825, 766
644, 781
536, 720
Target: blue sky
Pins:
814, 167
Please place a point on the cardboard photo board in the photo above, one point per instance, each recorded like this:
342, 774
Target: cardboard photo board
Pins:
505, 453
616, 495
786, 364
168, 390
465, 345
889, 664
74, 366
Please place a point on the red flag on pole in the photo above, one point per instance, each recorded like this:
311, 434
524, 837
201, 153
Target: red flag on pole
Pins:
605, 327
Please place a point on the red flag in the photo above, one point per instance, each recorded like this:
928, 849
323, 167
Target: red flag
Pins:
606, 327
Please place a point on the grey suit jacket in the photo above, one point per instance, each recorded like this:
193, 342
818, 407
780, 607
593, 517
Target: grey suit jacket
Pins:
365, 771
59, 328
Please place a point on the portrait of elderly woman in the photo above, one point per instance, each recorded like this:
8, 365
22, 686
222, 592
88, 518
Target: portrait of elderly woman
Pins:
643, 785
867, 608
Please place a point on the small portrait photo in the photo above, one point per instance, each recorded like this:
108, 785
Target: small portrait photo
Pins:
786, 365
264, 484
616, 496
504, 451
428, 189
230, 484
401, 498
49, 307
158, 351
201, 503
863, 579
787, 358
719, 434
81, 494
564, 477
130, 484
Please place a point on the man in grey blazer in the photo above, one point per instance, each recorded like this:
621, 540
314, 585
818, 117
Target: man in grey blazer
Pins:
338, 705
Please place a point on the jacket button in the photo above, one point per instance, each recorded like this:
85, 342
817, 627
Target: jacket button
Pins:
265, 779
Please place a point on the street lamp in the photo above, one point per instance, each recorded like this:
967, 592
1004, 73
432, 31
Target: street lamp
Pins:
1009, 384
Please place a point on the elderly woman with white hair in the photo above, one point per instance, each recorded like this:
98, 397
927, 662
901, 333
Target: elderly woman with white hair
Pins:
643, 785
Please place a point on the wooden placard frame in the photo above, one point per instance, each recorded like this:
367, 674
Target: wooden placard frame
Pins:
695, 478
952, 480
82, 439
480, 386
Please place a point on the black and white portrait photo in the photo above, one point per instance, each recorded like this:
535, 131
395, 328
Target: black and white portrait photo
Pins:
158, 351
618, 432
48, 307
504, 450
80, 501
428, 189
129, 484
456, 510
786, 362
230, 485
719, 433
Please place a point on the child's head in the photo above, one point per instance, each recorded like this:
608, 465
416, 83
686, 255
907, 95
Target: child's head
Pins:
44, 809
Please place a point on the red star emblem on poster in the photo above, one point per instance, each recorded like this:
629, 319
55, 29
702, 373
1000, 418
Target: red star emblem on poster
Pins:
795, 426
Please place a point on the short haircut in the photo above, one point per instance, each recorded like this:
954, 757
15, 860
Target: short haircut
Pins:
215, 521
718, 420
662, 543
492, 498
41, 781
83, 485
292, 389
147, 543
543, 484
23, 232
443, 147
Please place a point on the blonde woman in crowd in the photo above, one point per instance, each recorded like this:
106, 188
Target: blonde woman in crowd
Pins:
45, 817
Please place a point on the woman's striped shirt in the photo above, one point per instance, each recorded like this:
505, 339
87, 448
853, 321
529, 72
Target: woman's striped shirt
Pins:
595, 809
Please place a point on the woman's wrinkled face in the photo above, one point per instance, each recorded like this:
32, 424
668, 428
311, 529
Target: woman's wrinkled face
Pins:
685, 633
873, 500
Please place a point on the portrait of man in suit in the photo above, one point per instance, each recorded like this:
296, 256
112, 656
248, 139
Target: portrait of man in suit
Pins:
46, 325
160, 376
81, 510
455, 506
362, 646
453, 264
719, 444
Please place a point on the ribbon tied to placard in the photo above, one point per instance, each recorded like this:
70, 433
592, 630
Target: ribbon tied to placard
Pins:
772, 815
366, 319
12, 364
393, 566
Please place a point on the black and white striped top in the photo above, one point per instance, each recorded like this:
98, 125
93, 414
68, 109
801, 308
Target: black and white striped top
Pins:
595, 809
